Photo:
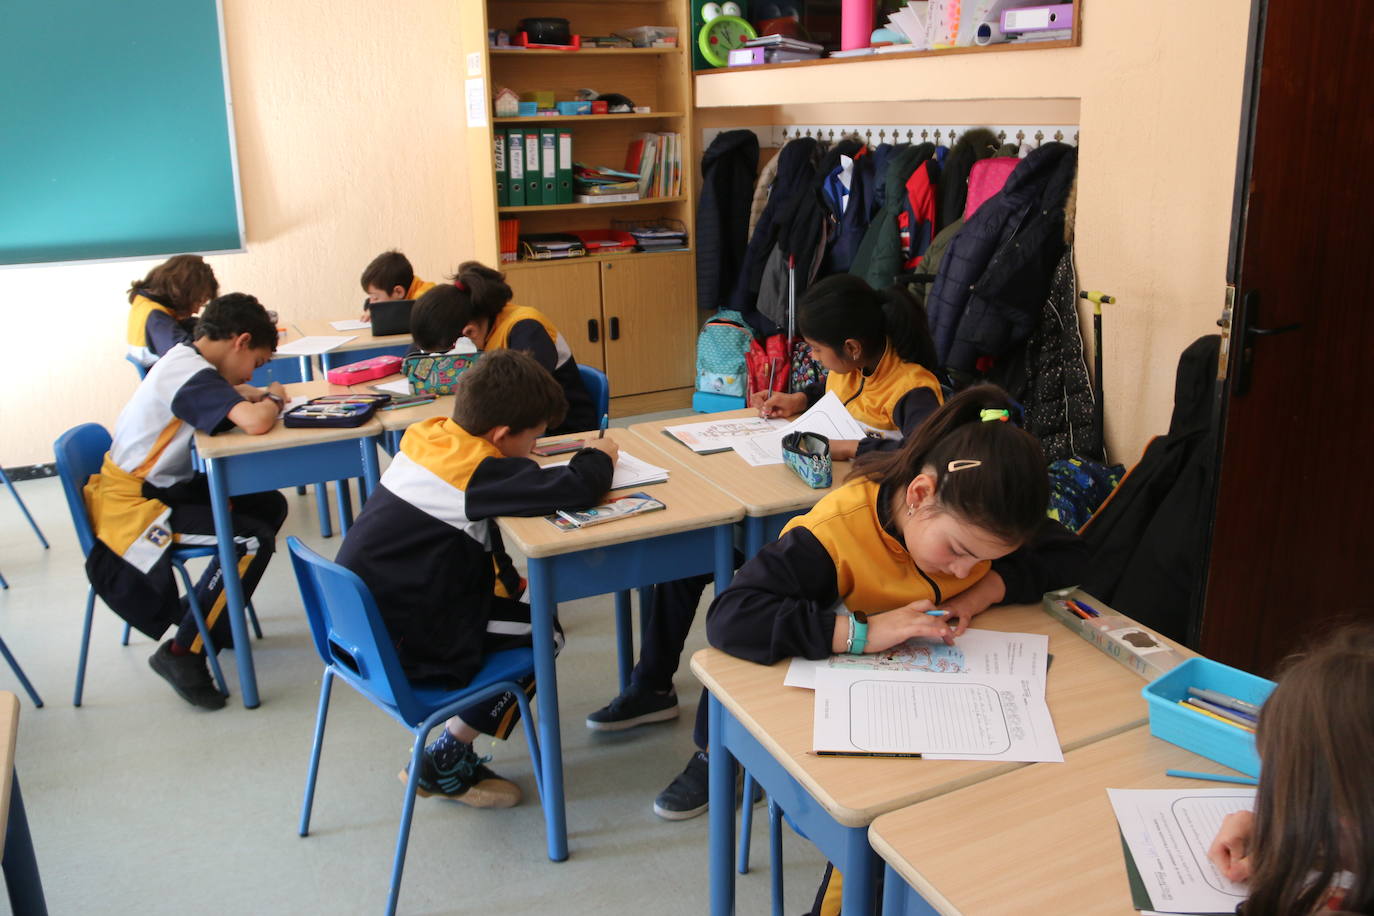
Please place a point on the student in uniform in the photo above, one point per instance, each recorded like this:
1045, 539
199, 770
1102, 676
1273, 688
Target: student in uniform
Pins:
489, 319
436, 321
389, 277
148, 496
1308, 847
876, 347
162, 306
427, 548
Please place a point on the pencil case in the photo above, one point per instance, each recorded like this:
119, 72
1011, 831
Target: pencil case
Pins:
335, 411
436, 373
808, 455
365, 371
1226, 744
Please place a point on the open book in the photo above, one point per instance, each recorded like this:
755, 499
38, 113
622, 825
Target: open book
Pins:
623, 507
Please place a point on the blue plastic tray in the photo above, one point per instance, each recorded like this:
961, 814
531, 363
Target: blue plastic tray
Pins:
1192, 731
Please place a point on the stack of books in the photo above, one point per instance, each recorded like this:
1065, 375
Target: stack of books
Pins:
657, 159
659, 238
779, 48
602, 185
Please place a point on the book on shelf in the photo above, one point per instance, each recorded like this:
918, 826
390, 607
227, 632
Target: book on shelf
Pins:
606, 198
548, 164
534, 185
565, 166
515, 163
502, 170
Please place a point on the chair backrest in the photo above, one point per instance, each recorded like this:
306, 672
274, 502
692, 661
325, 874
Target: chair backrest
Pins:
79, 452
349, 632
141, 369
599, 387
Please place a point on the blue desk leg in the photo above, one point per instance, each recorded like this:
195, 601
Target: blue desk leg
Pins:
753, 535
371, 467
233, 586
899, 899
721, 786
345, 499
624, 638
724, 544
542, 608
322, 507
20, 864
861, 867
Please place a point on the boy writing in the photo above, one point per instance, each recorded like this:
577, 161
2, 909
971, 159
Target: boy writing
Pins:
148, 497
389, 277
428, 550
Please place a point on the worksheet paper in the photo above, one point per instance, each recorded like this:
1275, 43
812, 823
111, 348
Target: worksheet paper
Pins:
400, 386
720, 435
976, 652
1168, 832
827, 417
629, 471
939, 716
350, 324
312, 346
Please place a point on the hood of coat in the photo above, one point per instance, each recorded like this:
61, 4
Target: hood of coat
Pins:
727, 142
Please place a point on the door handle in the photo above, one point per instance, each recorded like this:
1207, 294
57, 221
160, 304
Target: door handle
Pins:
615, 328
1249, 331
593, 331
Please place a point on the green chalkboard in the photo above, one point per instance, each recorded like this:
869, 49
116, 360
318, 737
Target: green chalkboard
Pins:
115, 133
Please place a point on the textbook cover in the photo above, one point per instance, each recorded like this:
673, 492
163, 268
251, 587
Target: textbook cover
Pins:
623, 507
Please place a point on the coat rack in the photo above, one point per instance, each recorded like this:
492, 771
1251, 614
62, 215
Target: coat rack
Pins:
775, 135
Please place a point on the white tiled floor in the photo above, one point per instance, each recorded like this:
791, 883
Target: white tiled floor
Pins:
141, 804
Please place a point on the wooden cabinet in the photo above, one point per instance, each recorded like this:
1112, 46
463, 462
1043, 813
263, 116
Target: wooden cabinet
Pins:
631, 315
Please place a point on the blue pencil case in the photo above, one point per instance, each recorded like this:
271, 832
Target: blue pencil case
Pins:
1226, 744
808, 455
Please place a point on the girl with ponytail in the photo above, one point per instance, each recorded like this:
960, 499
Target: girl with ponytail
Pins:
878, 350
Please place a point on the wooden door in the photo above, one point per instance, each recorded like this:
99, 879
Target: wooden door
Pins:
650, 309
569, 294
1291, 544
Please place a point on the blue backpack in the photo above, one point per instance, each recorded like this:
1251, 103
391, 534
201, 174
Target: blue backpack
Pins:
722, 348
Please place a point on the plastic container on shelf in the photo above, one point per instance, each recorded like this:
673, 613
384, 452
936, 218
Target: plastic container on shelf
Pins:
1227, 744
605, 241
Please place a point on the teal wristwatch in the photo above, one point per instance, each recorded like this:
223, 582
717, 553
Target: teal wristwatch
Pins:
858, 633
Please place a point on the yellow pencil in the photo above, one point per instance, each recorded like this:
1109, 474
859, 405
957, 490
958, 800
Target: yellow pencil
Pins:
1210, 715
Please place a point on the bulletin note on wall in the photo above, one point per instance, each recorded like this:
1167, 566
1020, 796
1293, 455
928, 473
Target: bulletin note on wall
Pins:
939, 716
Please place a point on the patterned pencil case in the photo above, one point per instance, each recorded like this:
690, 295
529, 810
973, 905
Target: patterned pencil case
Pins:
808, 454
335, 410
436, 373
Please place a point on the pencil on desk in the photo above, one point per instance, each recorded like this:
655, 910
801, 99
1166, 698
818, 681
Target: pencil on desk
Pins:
1211, 715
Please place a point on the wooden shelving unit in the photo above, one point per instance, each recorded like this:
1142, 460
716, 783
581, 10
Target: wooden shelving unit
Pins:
632, 315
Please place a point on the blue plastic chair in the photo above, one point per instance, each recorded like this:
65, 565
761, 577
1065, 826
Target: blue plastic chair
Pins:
354, 645
79, 452
36, 530
141, 369
19, 673
599, 387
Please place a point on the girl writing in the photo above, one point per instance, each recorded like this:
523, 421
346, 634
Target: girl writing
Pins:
877, 347
164, 303
1308, 847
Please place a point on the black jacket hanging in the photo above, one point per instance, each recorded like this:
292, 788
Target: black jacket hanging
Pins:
728, 169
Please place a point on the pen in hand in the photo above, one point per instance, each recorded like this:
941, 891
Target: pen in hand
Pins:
605, 421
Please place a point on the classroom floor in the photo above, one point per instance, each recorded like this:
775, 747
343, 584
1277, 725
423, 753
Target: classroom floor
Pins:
140, 803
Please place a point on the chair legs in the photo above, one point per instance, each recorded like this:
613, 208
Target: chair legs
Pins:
775, 853
210, 654
398, 864
19, 673
746, 825
3, 583
326, 683
252, 618
86, 645
25, 509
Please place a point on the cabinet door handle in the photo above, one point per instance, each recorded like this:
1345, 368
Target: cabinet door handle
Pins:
593, 332
615, 329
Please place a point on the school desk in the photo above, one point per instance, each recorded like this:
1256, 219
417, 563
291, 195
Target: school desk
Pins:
767, 728
236, 462
20, 865
771, 494
693, 535
362, 346
1043, 839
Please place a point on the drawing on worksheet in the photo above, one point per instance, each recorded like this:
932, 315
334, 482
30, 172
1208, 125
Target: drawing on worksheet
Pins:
721, 435
912, 655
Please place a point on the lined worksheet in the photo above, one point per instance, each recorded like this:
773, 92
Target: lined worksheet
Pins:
720, 435
938, 716
1168, 832
977, 651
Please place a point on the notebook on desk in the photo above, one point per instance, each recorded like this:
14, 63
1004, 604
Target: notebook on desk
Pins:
391, 316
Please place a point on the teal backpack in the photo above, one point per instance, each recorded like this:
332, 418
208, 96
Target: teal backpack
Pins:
722, 347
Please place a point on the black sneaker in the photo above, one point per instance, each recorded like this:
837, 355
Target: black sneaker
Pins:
689, 795
468, 781
634, 707
189, 676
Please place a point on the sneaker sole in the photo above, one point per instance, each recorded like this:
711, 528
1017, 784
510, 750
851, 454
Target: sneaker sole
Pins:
211, 701
687, 815
661, 715
481, 795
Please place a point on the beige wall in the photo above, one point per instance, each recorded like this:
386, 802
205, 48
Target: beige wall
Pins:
350, 128
1159, 90
349, 121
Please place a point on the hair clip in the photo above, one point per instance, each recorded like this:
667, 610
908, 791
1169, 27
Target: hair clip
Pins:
990, 414
963, 464
460, 284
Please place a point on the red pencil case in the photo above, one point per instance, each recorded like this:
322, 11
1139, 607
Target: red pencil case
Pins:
365, 371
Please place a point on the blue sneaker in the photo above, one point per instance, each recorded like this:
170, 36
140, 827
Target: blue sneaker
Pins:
468, 782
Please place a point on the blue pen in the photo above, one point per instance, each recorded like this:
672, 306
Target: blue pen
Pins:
605, 421
937, 613
1213, 777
